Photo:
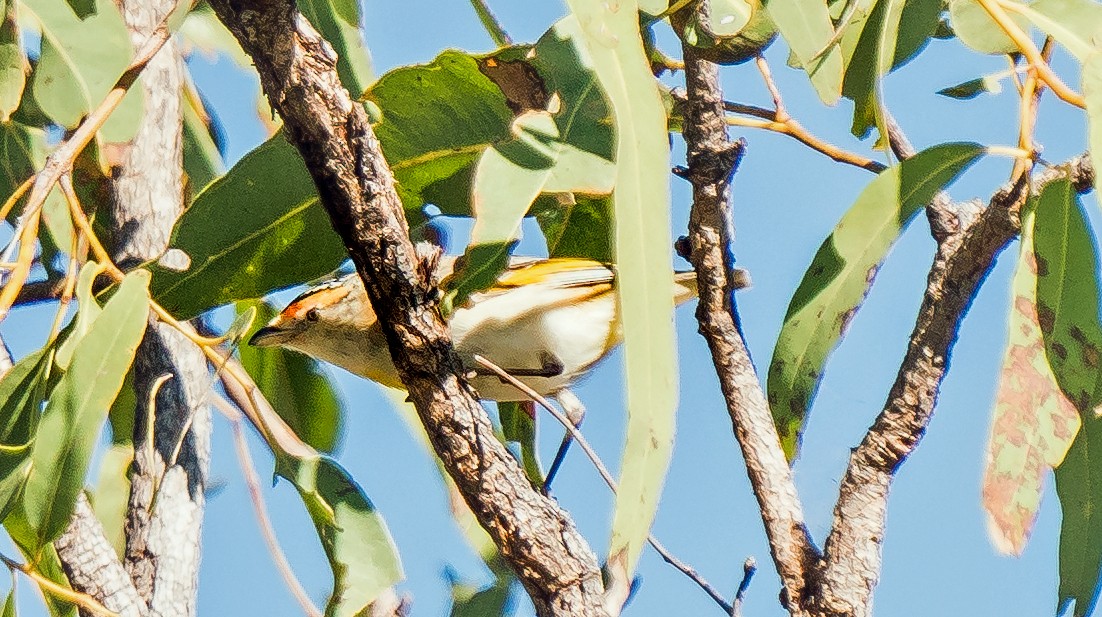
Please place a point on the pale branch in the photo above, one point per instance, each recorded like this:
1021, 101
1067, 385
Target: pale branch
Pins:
167, 491
712, 159
965, 254
93, 567
298, 73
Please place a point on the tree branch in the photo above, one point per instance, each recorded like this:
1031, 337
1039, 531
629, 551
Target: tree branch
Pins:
712, 159
964, 257
93, 567
331, 131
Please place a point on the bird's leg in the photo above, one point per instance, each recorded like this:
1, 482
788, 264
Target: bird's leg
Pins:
575, 412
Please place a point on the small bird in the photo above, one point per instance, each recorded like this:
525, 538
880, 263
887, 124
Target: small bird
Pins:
545, 321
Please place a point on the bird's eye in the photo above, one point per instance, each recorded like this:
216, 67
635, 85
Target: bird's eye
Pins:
312, 314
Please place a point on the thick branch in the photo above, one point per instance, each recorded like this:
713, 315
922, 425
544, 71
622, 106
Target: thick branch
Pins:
331, 131
964, 257
93, 567
712, 159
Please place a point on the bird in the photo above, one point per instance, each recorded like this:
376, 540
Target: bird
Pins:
547, 322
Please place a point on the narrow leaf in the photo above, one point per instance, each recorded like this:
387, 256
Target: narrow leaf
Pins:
841, 274
13, 62
202, 157
1033, 424
78, 406
361, 553
973, 87
807, 28
22, 391
1075, 24
1079, 487
643, 252
975, 28
518, 425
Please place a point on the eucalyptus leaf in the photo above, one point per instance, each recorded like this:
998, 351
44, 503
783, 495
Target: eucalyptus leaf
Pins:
807, 28
841, 274
13, 61
642, 206
78, 406
975, 28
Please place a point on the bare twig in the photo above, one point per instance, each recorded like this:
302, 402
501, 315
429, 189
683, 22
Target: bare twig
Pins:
749, 567
712, 159
602, 471
252, 481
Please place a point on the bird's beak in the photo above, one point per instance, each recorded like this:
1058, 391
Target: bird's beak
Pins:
268, 336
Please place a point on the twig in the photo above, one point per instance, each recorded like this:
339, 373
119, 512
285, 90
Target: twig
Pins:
780, 114
602, 470
795, 130
61, 160
493, 27
712, 160
80, 599
1030, 97
1025, 45
749, 567
252, 480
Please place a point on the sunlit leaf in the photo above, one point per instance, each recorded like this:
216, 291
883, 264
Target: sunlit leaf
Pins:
297, 388
79, 63
975, 28
580, 229
644, 277
202, 157
1033, 424
22, 390
87, 313
202, 31
357, 543
258, 228
1075, 24
78, 406
13, 62
807, 28
1092, 92
842, 272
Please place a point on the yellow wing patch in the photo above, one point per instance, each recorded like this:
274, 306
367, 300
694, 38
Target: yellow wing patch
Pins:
559, 272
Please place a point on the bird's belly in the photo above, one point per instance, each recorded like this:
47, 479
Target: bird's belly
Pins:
573, 336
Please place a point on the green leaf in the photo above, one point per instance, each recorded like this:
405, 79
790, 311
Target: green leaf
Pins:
258, 228
973, 87
842, 272
13, 62
518, 426
87, 314
202, 158
1033, 423
580, 229
22, 390
9, 605
1075, 24
1092, 92
78, 406
642, 203
807, 28
975, 28
48, 564
355, 538
22, 153
564, 152
885, 42
79, 63
491, 601
110, 498
1067, 293
431, 165
1079, 487
339, 22
296, 386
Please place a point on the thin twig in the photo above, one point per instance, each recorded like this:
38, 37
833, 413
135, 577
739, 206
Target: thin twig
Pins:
780, 114
749, 567
795, 130
599, 465
252, 480
1025, 45
493, 27
82, 600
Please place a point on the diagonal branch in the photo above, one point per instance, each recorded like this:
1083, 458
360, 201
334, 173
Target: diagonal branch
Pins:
964, 257
297, 70
712, 159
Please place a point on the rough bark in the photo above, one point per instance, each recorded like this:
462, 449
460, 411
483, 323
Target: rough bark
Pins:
298, 73
166, 499
712, 159
967, 248
93, 567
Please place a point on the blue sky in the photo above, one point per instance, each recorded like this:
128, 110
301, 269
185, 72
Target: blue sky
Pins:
937, 558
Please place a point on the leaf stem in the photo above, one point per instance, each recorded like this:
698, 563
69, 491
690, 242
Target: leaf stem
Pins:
493, 27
